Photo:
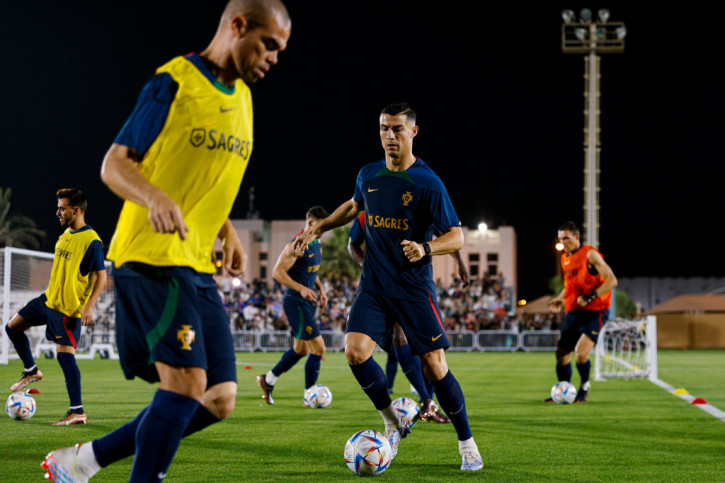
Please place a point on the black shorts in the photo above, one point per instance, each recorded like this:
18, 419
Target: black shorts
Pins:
578, 322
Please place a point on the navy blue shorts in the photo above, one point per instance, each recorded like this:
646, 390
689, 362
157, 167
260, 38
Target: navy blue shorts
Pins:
301, 317
374, 315
59, 328
578, 322
172, 315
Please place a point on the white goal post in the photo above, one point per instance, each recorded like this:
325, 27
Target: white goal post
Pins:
25, 275
627, 349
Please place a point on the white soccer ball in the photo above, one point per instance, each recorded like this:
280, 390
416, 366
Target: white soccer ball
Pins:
563, 392
368, 453
318, 396
408, 408
20, 406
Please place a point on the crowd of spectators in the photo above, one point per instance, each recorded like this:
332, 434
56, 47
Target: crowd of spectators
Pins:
482, 304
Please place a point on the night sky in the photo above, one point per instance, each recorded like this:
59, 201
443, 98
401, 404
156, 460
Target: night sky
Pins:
499, 109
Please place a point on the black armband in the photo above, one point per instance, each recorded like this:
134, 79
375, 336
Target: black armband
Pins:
589, 298
426, 248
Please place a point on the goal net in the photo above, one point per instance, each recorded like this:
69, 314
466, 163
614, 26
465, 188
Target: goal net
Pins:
25, 275
627, 349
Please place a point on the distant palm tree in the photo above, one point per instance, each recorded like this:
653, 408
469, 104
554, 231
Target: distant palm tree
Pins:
336, 261
17, 230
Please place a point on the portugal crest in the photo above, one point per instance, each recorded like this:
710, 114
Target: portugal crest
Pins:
186, 335
197, 137
407, 198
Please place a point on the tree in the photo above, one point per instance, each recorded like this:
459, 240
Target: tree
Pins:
625, 307
336, 261
17, 230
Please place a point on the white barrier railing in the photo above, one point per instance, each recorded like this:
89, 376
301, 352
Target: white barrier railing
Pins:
104, 343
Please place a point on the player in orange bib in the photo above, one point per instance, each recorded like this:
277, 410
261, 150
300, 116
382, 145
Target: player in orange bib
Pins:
587, 294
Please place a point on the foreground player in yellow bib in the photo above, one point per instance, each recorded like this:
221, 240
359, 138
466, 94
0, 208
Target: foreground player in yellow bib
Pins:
179, 188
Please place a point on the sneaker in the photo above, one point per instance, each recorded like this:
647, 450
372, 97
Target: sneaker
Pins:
26, 379
62, 466
581, 395
266, 389
471, 460
72, 418
393, 435
549, 399
439, 417
427, 408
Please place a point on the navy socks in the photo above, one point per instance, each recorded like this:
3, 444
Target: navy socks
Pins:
453, 403
72, 375
563, 373
413, 370
312, 370
22, 346
372, 380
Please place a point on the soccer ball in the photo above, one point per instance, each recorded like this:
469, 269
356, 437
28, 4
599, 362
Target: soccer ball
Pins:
563, 392
408, 408
318, 396
20, 406
368, 453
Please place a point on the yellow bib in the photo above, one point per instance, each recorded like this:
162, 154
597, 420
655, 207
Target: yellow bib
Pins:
198, 159
68, 290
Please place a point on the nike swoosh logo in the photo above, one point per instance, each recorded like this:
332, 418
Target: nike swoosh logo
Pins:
370, 190
58, 336
222, 110
311, 255
161, 476
594, 332
566, 263
436, 337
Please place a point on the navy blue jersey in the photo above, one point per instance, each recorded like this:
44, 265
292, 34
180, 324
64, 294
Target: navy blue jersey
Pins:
402, 205
305, 269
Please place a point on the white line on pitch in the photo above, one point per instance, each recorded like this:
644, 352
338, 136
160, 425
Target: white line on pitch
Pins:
708, 408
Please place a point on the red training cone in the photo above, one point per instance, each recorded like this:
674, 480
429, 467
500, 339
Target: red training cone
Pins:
699, 400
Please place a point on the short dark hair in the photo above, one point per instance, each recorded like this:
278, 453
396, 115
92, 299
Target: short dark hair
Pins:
75, 198
570, 226
398, 109
317, 213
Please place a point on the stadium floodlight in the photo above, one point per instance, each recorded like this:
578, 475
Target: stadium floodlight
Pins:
482, 227
236, 282
559, 246
591, 37
567, 15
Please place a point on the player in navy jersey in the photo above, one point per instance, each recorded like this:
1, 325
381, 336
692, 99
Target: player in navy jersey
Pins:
401, 354
178, 164
77, 280
404, 202
298, 272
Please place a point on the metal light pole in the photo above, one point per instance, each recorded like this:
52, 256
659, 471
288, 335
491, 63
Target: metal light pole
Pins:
590, 36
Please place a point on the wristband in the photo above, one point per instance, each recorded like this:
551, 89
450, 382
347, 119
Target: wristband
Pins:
426, 248
588, 298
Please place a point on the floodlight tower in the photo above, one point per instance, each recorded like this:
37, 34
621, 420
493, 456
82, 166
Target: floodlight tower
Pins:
590, 36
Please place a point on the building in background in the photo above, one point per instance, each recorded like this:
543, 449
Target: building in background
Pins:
489, 251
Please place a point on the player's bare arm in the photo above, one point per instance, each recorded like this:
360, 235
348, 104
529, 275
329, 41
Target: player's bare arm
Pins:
323, 295
235, 258
557, 303
99, 283
286, 259
610, 281
461, 266
449, 242
355, 251
344, 213
120, 173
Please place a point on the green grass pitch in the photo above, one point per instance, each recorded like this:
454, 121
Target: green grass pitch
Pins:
628, 431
